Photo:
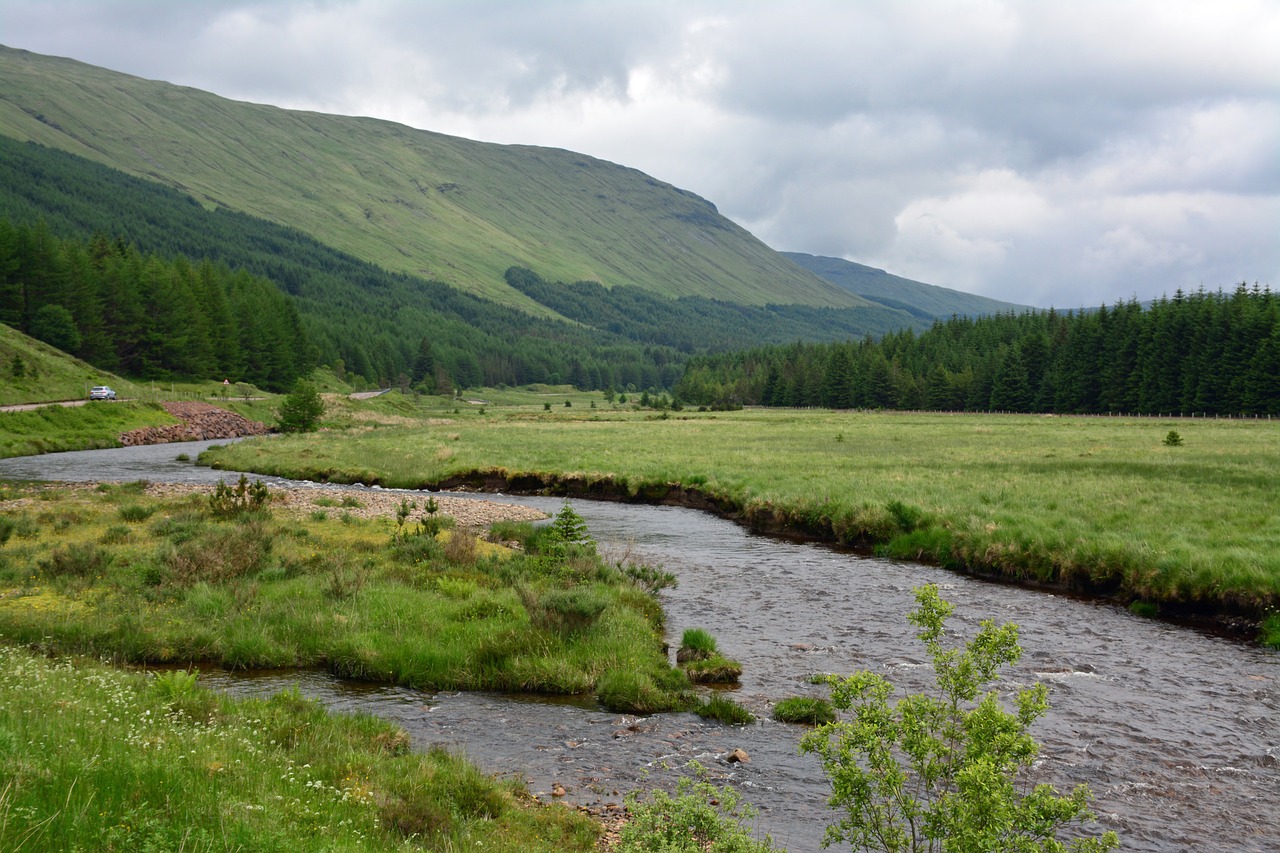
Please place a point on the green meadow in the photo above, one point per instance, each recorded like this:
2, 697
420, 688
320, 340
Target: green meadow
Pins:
97, 758
118, 574
1100, 505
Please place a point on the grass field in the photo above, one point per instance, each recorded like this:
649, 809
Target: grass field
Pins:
1101, 505
96, 758
118, 574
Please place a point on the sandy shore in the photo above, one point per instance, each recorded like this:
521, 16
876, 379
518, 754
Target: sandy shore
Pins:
466, 512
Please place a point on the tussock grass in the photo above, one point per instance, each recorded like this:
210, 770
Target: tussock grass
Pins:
724, 710
804, 709
363, 599
101, 759
1094, 504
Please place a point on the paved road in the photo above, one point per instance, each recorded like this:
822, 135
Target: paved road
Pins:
26, 407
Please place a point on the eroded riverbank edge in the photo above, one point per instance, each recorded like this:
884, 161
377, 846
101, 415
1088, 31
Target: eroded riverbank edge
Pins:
1238, 620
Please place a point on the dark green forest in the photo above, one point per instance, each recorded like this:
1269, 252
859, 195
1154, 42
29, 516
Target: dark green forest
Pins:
381, 326
146, 316
695, 324
388, 327
1212, 353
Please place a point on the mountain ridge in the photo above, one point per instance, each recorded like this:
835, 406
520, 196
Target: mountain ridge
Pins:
895, 291
413, 201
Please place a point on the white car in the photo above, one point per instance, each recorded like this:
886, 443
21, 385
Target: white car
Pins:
101, 392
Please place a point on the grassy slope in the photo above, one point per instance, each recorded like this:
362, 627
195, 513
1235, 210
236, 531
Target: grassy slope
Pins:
410, 200
1090, 503
877, 284
47, 373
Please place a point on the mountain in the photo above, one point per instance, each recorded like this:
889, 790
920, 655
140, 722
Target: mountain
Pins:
411, 201
924, 301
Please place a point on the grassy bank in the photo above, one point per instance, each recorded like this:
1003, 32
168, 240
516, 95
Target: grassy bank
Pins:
99, 759
116, 573
1096, 504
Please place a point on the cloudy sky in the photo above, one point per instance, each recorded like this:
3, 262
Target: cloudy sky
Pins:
1047, 152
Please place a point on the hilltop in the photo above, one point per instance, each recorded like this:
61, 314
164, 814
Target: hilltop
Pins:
411, 201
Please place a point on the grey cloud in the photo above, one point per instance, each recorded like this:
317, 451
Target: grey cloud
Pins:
1050, 152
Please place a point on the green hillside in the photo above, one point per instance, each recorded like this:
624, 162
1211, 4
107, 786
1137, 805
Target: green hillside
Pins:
922, 300
33, 370
422, 203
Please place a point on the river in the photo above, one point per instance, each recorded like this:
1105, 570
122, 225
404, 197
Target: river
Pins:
1177, 732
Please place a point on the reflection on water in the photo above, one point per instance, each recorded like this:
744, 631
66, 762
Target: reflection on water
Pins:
1177, 733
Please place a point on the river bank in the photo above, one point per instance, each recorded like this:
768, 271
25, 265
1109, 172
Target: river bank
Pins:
1095, 507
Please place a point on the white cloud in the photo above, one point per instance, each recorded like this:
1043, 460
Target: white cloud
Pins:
1062, 153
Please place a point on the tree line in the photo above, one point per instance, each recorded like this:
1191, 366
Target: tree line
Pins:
146, 316
1215, 353
367, 321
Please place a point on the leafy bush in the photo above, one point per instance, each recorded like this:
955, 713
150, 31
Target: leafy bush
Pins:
301, 409
804, 709
1172, 439
76, 560
229, 502
700, 818
943, 770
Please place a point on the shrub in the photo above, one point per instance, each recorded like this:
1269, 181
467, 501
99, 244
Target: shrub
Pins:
134, 513
114, 535
461, 548
944, 770
76, 560
567, 534
301, 409
700, 818
228, 502
1172, 439
650, 578
804, 709
220, 554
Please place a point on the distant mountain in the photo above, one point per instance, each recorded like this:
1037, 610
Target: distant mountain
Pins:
925, 301
421, 203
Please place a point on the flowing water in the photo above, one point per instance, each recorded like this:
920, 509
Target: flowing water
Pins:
1176, 732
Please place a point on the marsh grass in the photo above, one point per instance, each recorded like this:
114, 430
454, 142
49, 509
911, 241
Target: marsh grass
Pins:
716, 669
725, 710
696, 644
259, 590
1093, 504
804, 709
100, 759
